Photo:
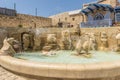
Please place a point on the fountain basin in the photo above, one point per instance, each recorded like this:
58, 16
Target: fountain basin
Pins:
69, 57
61, 70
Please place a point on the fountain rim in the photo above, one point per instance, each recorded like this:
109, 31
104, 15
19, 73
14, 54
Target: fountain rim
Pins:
55, 70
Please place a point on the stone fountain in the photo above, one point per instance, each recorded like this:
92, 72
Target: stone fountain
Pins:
93, 59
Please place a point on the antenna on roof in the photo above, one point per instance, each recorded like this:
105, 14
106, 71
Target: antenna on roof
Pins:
14, 6
35, 11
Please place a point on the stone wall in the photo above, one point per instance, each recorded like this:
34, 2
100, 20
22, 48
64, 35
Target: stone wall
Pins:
22, 20
111, 32
16, 33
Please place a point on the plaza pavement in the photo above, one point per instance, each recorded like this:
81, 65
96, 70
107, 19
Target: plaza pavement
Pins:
6, 75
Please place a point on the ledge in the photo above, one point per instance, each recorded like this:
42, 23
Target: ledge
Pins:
71, 71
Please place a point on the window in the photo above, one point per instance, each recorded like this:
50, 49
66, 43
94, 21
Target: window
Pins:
99, 16
73, 19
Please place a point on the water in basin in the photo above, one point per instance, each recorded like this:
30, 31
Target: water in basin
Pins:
67, 57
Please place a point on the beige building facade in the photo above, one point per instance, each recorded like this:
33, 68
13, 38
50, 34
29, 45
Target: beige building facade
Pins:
92, 14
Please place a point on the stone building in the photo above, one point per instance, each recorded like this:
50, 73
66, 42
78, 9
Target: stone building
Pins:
101, 13
67, 19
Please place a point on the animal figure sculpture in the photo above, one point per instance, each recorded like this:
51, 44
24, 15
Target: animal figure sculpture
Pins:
82, 46
86, 43
7, 47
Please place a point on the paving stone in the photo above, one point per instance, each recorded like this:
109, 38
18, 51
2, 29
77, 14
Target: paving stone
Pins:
6, 75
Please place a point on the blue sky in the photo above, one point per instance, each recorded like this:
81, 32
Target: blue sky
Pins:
45, 7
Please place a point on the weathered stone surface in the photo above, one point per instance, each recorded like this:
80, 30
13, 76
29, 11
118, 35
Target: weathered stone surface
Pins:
66, 42
22, 20
6, 75
8, 47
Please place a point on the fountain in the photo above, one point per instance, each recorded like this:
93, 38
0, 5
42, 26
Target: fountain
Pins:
55, 56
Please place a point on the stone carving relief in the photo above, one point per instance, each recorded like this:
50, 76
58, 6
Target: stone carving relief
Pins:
104, 41
7, 47
66, 42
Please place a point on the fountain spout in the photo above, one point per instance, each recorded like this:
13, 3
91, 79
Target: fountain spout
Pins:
8, 46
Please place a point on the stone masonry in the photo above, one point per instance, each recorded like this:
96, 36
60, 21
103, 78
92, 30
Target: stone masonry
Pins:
6, 75
23, 20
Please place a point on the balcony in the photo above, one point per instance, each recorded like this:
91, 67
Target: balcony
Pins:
97, 23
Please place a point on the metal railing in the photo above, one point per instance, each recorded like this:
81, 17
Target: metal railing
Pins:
97, 23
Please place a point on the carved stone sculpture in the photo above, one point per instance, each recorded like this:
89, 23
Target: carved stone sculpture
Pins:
17, 46
7, 47
117, 48
51, 43
66, 42
86, 43
51, 39
83, 48
26, 41
118, 38
37, 43
77, 30
93, 42
79, 47
104, 41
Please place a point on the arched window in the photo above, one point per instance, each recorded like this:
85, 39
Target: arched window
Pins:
99, 16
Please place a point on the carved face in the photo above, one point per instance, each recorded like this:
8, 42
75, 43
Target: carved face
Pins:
104, 37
